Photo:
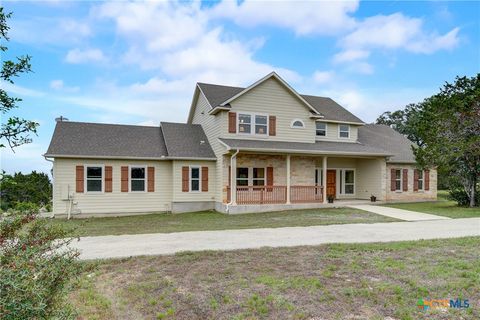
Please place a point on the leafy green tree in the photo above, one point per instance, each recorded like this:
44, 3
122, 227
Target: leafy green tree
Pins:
37, 268
446, 128
14, 130
34, 188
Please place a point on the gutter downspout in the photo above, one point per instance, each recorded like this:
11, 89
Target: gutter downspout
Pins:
232, 158
50, 160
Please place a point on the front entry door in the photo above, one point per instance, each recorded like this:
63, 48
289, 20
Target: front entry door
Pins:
331, 182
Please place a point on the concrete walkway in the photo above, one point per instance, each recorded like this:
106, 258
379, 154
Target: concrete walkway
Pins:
169, 243
401, 214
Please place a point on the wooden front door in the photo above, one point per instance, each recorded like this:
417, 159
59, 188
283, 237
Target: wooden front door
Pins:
331, 182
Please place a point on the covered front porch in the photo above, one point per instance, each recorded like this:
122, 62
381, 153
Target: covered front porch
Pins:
293, 181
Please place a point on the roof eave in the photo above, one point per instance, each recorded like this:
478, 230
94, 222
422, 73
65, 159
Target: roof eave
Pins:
161, 158
345, 122
217, 109
319, 152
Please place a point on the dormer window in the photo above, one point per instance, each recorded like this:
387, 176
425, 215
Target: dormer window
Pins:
344, 131
298, 124
321, 129
249, 123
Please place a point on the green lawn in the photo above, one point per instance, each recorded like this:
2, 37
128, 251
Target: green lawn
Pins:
338, 281
208, 220
442, 207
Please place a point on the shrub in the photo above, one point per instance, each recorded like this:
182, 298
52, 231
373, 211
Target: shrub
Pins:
34, 187
462, 198
37, 268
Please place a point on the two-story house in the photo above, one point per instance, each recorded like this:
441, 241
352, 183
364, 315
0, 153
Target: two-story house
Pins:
261, 148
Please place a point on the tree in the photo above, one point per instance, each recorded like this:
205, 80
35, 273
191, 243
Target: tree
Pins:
37, 268
446, 128
34, 188
15, 130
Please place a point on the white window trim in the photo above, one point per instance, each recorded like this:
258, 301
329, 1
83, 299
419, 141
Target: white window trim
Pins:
326, 130
199, 178
341, 186
250, 176
130, 178
85, 178
252, 124
339, 126
401, 180
423, 181
295, 127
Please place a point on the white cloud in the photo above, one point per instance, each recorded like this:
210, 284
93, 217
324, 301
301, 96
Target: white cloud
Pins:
309, 17
22, 91
350, 55
24, 159
321, 77
83, 56
59, 85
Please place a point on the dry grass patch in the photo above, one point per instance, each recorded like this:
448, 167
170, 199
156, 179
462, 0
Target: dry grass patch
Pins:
342, 281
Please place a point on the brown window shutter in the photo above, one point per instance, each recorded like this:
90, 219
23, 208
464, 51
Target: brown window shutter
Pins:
269, 176
229, 176
80, 178
392, 180
232, 122
405, 180
272, 125
108, 178
124, 179
204, 179
426, 178
185, 179
415, 180
151, 179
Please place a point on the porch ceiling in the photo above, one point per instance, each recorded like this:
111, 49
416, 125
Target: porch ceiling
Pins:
319, 147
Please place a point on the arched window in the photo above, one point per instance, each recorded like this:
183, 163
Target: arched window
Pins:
297, 123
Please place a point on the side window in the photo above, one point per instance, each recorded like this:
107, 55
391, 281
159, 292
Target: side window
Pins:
242, 176
195, 178
137, 178
344, 131
398, 180
321, 129
94, 177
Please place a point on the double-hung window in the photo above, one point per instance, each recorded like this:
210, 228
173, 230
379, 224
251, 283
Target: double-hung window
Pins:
398, 179
258, 177
344, 131
252, 123
347, 182
137, 178
251, 177
195, 178
420, 179
94, 177
242, 176
321, 129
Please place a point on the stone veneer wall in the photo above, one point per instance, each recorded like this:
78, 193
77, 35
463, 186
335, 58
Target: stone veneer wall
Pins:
411, 195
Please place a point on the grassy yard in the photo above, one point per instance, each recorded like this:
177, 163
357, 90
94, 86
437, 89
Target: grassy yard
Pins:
208, 220
442, 207
342, 281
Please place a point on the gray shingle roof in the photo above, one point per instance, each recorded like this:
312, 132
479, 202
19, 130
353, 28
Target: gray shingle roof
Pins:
81, 139
319, 147
389, 140
185, 140
216, 94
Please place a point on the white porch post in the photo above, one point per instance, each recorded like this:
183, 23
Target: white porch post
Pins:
233, 183
288, 179
324, 179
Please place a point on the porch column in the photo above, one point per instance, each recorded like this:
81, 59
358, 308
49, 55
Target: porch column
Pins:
324, 179
233, 182
288, 179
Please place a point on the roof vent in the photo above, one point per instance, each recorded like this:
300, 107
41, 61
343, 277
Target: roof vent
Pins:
202, 142
61, 119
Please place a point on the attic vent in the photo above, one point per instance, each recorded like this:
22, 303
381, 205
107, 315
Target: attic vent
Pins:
60, 119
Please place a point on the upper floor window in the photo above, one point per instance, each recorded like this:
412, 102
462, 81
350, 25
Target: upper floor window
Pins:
344, 131
252, 123
94, 178
137, 178
321, 129
297, 123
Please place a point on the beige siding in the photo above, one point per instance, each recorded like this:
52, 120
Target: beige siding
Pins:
410, 195
333, 133
271, 97
212, 125
370, 178
179, 195
116, 201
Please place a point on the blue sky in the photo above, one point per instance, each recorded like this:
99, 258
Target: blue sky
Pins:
137, 63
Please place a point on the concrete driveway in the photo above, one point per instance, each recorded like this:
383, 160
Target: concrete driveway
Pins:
401, 214
169, 243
